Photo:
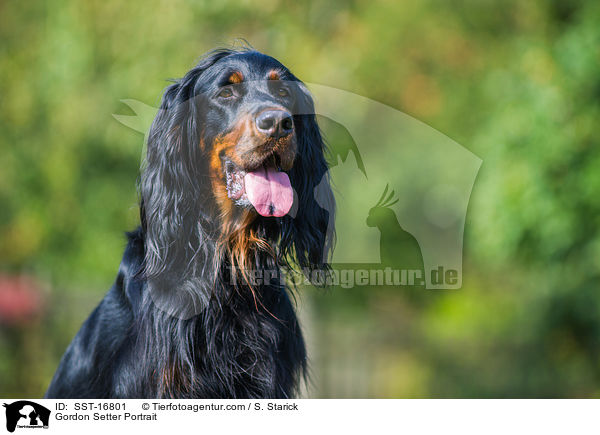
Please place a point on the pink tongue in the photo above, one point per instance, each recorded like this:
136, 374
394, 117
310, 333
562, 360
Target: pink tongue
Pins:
269, 191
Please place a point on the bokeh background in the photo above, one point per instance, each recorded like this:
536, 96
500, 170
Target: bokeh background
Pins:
517, 83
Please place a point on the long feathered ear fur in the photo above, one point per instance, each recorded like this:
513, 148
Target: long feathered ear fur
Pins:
309, 235
175, 206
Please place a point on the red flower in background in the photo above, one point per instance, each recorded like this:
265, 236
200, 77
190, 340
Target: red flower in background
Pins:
21, 300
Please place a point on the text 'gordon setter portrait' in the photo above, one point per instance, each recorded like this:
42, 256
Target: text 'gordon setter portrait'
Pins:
234, 195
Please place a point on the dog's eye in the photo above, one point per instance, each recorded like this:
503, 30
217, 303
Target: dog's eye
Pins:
225, 93
283, 92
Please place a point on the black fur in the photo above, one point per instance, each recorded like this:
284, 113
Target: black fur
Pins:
180, 322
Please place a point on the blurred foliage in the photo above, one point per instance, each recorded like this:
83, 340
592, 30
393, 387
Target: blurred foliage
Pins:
517, 83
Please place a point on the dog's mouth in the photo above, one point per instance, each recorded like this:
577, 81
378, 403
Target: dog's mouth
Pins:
266, 188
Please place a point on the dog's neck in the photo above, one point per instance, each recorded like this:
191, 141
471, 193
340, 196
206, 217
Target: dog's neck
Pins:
213, 264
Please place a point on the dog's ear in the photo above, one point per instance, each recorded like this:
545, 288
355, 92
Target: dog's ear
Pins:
172, 191
310, 233
166, 185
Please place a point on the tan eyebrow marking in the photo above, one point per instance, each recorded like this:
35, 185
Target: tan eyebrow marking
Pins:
274, 75
236, 77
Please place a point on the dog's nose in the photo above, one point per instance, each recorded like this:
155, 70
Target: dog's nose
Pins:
275, 123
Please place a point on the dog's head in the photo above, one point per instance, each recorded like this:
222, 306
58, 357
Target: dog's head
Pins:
236, 162
250, 133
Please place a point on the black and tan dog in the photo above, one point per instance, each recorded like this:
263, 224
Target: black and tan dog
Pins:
228, 190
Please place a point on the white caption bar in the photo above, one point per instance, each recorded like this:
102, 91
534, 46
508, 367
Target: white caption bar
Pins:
299, 416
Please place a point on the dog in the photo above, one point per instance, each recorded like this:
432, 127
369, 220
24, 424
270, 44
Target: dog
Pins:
232, 188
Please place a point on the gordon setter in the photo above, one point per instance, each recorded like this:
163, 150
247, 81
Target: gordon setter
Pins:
235, 196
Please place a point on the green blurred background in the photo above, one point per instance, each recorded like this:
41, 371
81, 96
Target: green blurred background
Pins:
517, 83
